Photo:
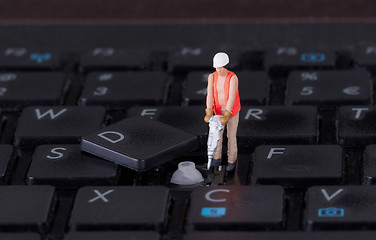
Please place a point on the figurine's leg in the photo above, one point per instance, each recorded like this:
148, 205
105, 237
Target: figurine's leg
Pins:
232, 147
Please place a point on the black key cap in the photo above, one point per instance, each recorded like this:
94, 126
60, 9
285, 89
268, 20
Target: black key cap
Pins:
43, 125
27, 58
297, 165
236, 208
253, 87
365, 57
113, 59
139, 143
125, 89
329, 87
198, 58
26, 207
276, 125
356, 125
112, 236
19, 236
344, 235
290, 58
341, 207
31, 88
66, 166
369, 165
117, 208
6, 162
188, 119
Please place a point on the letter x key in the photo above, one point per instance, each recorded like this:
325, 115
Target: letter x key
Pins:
101, 196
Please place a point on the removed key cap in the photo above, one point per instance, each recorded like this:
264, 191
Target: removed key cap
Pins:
139, 143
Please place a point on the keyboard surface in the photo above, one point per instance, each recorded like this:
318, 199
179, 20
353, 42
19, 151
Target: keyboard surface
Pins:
306, 138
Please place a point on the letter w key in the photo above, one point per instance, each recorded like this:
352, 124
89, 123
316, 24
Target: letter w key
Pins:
50, 125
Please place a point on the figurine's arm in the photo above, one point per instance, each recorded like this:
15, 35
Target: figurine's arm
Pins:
210, 93
234, 82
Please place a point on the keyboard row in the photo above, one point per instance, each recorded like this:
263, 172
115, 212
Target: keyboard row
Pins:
228, 208
124, 89
186, 58
257, 125
67, 167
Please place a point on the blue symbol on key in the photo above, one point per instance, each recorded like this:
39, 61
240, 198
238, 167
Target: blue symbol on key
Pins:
39, 58
331, 212
213, 212
312, 57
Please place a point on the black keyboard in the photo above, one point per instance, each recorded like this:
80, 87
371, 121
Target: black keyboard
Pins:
306, 167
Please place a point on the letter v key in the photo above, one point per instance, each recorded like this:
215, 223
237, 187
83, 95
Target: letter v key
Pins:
326, 195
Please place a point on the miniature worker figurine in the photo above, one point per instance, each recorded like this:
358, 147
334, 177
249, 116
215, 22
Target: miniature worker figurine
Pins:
223, 99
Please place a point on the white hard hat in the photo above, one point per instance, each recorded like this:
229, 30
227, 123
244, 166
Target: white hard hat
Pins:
220, 59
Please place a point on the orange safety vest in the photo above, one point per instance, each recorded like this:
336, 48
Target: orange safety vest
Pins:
217, 107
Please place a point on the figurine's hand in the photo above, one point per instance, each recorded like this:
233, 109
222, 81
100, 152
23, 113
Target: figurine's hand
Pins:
225, 117
209, 114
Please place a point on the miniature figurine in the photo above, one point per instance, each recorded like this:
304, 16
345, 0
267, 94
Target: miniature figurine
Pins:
223, 99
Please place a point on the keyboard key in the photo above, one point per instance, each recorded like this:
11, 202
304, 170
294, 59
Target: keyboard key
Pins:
102, 58
63, 124
6, 162
253, 88
356, 125
139, 143
26, 208
66, 166
369, 165
292, 58
198, 58
277, 125
19, 236
31, 88
347, 235
12, 58
329, 87
297, 165
124, 89
118, 208
236, 208
188, 119
112, 235
341, 207
365, 57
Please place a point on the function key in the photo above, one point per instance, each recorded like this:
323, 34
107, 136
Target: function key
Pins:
356, 125
120, 208
114, 235
68, 167
26, 207
277, 124
14, 58
31, 88
329, 87
49, 125
297, 165
253, 88
121, 89
139, 143
108, 58
292, 58
341, 207
236, 208
197, 58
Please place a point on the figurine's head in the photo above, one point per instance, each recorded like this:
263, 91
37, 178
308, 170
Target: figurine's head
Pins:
220, 59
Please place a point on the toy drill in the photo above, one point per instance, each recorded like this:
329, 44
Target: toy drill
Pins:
215, 127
